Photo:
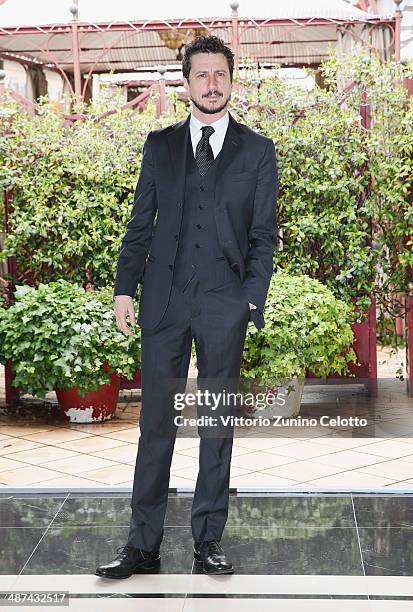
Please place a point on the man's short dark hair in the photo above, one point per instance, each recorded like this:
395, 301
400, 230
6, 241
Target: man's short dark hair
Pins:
206, 44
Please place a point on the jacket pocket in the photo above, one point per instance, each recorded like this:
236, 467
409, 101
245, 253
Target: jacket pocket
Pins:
247, 175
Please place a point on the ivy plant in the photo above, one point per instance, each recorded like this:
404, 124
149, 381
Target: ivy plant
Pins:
307, 328
59, 335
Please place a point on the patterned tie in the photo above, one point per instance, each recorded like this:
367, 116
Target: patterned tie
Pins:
203, 154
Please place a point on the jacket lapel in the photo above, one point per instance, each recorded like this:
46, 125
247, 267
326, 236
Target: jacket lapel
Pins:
231, 148
178, 142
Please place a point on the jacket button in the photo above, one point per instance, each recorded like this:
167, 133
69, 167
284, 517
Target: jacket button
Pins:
197, 245
171, 267
199, 226
202, 188
200, 207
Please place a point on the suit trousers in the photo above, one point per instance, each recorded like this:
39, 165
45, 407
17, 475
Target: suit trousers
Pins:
217, 321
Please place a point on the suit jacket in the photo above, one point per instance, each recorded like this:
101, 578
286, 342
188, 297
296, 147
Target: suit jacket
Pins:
245, 197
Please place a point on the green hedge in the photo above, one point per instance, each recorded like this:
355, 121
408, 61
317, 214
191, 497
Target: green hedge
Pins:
345, 212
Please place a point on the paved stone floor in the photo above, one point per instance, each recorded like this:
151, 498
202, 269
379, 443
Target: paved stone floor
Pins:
320, 517
48, 452
290, 552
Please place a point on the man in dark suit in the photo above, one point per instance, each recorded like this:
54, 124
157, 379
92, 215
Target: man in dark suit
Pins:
201, 241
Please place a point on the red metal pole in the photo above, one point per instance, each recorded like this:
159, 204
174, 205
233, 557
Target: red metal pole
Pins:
372, 348
397, 30
12, 393
235, 35
409, 302
161, 107
365, 113
76, 52
409, 340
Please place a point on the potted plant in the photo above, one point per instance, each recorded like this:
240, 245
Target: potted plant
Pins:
127, 380
307, 329
60, 337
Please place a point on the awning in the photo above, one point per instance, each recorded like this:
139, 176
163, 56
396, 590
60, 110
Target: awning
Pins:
128, 36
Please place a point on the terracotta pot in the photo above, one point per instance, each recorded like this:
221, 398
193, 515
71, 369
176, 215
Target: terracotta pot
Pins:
288, 403
134, 383
94, 407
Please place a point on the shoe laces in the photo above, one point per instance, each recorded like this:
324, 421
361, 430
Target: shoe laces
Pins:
213, 546
123, 551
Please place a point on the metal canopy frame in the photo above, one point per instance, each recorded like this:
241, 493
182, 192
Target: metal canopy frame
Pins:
79, 48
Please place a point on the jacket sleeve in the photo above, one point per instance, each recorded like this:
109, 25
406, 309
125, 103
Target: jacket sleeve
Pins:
137, 238
263, 230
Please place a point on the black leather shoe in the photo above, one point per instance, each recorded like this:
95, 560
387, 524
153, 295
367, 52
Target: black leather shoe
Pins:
210, 554
130, 560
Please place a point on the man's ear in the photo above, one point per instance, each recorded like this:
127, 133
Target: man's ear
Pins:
186, 84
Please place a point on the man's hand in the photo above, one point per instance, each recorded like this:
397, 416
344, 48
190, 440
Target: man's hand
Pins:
123, 307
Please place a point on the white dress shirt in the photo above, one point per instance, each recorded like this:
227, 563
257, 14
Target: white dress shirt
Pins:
216, 140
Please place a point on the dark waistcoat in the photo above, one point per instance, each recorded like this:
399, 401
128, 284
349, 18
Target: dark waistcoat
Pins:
199, 252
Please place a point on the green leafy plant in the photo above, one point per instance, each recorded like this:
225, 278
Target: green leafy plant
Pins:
307, 328
345, 208
59, 335
72, 186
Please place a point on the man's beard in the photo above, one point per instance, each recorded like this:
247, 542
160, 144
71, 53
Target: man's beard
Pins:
210, 110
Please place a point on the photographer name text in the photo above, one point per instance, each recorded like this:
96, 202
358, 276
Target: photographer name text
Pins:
275, 421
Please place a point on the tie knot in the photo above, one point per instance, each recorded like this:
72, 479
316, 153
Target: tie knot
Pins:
207, 130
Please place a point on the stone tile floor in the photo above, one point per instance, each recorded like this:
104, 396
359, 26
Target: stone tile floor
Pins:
289, 551
303, 531
47, 452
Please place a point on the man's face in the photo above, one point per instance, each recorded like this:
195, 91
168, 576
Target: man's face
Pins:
209, 82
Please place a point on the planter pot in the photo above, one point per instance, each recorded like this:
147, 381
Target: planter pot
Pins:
94, 407
289, 403
134, 383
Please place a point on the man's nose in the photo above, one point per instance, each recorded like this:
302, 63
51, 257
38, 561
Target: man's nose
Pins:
212, 80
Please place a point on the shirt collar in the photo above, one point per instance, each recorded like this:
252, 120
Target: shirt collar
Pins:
196, 124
